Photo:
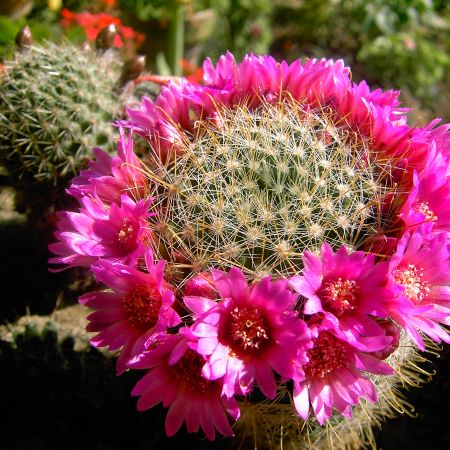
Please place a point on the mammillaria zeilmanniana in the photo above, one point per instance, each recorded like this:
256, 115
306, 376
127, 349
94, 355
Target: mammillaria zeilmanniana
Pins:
286, 237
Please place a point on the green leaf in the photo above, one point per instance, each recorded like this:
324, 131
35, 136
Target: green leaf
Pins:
9, 29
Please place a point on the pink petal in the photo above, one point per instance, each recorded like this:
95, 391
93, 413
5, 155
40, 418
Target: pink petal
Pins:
100, 300
301, 400
266, 380
220, 419
206, 421
154, 379
108, 315
198, 305
175, 416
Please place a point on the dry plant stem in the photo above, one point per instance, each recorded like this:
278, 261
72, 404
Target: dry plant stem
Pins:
176, 36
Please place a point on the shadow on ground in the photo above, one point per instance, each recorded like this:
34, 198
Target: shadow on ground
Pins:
54, 397
57, 398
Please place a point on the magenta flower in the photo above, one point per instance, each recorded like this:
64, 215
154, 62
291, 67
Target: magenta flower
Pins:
110, 177
117, 232
160, 122
349, 288
168, 123
419, 280
174, 378
250, 332
393, 330
139, 308
202, 285
333, 377
429, 198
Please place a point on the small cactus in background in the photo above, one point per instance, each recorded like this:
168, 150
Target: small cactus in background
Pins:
57, 103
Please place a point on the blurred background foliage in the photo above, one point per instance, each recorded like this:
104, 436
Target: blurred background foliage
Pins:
391, 43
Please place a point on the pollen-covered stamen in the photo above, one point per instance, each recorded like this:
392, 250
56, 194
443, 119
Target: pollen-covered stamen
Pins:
424, 208
187, 371
126, 237
249, 330
339, 296
328, 355
142, 306
411, 278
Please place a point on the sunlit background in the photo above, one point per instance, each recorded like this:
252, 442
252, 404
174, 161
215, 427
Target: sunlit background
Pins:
402, 44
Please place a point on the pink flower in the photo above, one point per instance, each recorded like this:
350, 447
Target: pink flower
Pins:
332, 377
429, 199
169, 121
116, 232
250, 332
174, 378
139, 308
393, 330
349, 288
419, 279
162, 121
110, 177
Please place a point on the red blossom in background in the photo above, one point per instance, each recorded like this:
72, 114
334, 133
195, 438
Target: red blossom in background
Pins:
193, 73
92, 24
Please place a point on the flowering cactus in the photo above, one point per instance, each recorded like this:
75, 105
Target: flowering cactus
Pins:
284, 237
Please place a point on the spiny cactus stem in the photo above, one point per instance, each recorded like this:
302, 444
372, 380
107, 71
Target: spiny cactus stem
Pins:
56, 103
228, 202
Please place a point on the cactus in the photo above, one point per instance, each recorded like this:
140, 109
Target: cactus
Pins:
57, 102
294, 234
260, 195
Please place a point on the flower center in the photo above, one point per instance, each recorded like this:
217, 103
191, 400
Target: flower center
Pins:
187, 371
411, 278
423, 208
126, 237
142, 305
339, 296
328, 355
249, 330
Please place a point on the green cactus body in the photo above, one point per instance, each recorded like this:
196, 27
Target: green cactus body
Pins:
260, 187
56, 103
255, 189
